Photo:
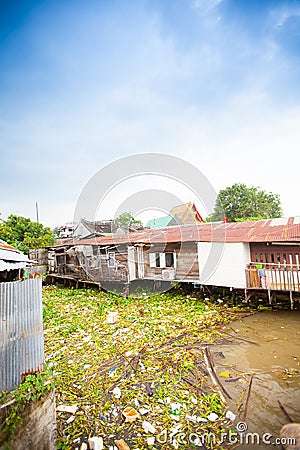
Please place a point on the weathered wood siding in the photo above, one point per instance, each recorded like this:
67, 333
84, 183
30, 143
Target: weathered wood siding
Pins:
91, 263
275, 254
186, 261
116, 273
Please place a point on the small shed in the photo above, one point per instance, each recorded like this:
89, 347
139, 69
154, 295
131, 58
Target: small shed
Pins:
12, 261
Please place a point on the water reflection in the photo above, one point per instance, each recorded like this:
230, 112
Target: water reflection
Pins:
275, 363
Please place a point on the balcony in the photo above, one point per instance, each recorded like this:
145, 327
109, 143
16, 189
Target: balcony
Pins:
277, 277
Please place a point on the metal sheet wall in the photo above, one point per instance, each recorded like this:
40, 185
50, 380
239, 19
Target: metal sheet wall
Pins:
21, 331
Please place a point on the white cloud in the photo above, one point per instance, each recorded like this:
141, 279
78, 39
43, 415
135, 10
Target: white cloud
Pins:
206, 5
280, 16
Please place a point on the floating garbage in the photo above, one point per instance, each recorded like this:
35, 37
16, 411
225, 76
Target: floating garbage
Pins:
150, 440
96, 443
112, 317
136, 379
144, 411
130, 414
67, 408
212, 417
176, 406
122, 445
194, 400
201, 419
191, 418
175, 430
70, 419
175, 418
229, 415
225, 374
117, 392
148, 427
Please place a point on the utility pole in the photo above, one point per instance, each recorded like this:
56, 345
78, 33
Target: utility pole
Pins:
37, 211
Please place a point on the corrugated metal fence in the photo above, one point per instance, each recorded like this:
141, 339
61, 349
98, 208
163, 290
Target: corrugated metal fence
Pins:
21, 331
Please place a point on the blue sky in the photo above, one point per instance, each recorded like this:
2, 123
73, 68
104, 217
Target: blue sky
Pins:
82, 83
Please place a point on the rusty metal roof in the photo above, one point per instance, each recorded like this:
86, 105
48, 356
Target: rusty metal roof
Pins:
270, 230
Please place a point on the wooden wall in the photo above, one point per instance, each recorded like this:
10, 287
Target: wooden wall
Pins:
275, 254
92, 265
186, 260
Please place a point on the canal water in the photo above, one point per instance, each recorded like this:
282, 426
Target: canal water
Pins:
267, 347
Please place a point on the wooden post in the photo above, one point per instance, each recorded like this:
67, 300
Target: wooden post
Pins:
233, 297
292, 300
126, 290
269, 297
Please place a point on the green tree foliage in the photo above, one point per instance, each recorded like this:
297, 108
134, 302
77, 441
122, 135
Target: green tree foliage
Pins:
127, 220
24, 234
241, 203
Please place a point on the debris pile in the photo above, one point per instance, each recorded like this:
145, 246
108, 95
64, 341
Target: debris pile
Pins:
134, 373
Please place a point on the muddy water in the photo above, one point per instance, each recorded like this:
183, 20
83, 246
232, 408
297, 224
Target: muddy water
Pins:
274, 359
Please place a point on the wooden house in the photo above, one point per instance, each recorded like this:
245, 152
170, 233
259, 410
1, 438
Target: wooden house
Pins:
249, 256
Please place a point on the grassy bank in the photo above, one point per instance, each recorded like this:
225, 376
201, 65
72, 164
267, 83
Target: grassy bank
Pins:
153, 354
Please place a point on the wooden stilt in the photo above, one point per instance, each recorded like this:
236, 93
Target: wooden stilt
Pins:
269, 297
233, 297
292, 300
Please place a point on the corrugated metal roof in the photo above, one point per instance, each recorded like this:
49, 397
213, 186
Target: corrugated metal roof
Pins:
270, 230
4, 265
10, 256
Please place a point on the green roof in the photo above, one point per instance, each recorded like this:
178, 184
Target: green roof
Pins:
159, 222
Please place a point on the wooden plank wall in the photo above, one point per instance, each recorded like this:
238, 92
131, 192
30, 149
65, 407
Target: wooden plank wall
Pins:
98, 269
187, 260
267, 253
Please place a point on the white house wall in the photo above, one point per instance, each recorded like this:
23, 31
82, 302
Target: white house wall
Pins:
226, 264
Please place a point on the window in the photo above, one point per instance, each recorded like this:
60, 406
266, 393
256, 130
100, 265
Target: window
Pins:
266, 257
111, 259
162, 260
154, 259
170, 260
272, 258
297, 260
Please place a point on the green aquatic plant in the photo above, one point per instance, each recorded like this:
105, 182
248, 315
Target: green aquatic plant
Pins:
152, 353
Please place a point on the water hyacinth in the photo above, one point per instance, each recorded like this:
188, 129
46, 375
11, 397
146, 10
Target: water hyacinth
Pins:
148, 360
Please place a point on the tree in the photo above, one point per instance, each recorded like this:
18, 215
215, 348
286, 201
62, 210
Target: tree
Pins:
24, 234
241, 203
127, 220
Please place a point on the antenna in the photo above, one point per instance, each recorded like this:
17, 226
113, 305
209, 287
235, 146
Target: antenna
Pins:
37, 211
